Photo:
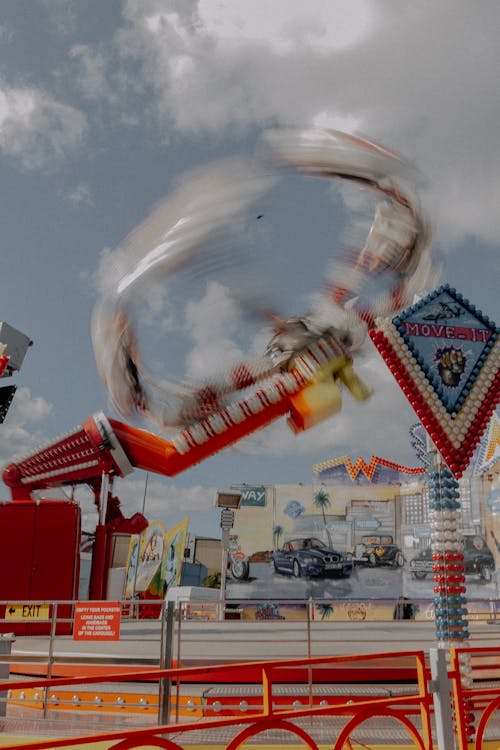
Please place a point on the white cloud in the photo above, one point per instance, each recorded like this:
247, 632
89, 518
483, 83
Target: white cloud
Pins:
35, 128
420, 77
93, 74
328, 118
163, 497
287, 24
160, 500
62, 15
211, 322
79, 194
19, 433
6, 34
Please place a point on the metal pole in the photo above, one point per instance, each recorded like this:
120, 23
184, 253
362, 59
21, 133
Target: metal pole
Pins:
447, 555
441, 693
309, 654
134, 560
145, 491
167, 633
98, 582
274, 504
50, 657
106, 485
223, 573
226, 523
178, 681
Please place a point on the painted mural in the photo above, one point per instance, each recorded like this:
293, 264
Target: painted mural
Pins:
360, 532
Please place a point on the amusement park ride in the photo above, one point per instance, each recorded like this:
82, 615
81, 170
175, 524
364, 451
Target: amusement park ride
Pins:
104, 448
300, 376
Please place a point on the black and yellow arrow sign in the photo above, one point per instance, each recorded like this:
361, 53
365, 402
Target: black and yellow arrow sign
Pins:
27, 612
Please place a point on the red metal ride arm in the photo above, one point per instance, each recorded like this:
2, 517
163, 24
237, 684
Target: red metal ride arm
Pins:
79, 457
102, 446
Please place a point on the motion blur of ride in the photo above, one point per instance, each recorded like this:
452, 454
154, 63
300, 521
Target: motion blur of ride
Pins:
300, 376
379, 279
309, 556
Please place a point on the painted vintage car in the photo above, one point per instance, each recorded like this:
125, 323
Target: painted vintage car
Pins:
478, 560
309, 556
379, 549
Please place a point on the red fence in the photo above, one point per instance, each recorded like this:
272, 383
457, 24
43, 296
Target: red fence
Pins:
322, 715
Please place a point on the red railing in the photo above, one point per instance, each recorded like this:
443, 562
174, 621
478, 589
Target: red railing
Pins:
475, 675
340, 717
409, 712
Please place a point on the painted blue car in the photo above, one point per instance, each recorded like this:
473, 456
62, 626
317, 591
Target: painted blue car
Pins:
309, 557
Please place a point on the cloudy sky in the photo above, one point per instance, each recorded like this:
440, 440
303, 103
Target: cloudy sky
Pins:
104, 104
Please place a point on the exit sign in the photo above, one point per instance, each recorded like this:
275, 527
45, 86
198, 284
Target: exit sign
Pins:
27, 612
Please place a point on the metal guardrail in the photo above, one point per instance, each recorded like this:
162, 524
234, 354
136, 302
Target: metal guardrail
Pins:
475, 677
311, 720
470, 675
43, 610
412, 715
46, 631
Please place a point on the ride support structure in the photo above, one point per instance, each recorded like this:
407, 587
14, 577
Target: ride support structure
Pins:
102, 448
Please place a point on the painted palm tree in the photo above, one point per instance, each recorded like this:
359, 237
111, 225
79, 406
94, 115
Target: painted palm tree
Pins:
277, 534
322, 502
325, 610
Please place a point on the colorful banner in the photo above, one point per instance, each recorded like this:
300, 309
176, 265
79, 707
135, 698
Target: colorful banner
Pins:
150, 555
155, 560
175, 544
132, 565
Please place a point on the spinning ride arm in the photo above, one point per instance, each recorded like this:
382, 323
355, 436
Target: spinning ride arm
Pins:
305, 379
308, 392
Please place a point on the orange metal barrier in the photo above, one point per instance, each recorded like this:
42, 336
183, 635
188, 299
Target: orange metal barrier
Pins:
475, 675
410, 712
322, 717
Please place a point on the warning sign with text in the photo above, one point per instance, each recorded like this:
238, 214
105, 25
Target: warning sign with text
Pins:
97, 621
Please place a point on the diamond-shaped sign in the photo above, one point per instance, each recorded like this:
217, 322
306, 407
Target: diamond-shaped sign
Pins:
445, 355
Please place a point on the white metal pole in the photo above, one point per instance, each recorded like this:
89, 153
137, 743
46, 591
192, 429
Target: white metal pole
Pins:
441, 693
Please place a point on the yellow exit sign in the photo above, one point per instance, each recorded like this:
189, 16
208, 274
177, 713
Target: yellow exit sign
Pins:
27, 612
